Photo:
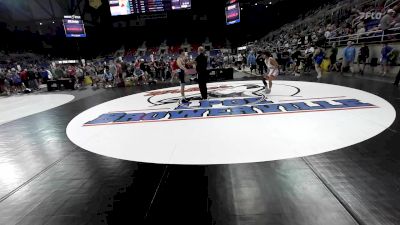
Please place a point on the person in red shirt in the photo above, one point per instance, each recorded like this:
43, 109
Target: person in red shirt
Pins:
24, 77
71, 72
174, 68
137, 63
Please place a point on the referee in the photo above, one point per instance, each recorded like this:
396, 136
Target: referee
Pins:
202, 73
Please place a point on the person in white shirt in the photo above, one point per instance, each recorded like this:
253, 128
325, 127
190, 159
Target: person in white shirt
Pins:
309, 52
240, 61
310, 49
327, 34
273, 71
49, 74
275, 55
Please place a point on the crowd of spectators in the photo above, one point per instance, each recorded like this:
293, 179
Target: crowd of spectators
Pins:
297, 48
24, 76
312, 42
344, 21
301, 61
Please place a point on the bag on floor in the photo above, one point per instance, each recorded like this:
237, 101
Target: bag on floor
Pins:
325, 65
88, 80
128, 82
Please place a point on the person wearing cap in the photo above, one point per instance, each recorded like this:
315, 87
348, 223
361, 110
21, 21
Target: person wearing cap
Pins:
388, 21
349, 55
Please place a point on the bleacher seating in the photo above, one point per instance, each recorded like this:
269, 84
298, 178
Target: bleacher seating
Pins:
339, 22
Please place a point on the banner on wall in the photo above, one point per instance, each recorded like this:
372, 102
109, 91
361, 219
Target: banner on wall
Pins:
370, 19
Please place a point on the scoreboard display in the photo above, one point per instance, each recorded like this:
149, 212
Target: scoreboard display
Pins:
74, 26
127, 7
232, 12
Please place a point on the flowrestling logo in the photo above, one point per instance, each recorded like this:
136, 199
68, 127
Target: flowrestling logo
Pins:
239, 123
225, 106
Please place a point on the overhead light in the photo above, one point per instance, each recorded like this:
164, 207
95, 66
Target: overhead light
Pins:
256, 4
241, 8
270, 3
54, 22
266, 6
40, 23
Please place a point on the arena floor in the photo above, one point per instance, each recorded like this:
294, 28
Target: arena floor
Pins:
45, 178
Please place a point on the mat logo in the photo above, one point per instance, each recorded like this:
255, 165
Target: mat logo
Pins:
171, 97
232, 107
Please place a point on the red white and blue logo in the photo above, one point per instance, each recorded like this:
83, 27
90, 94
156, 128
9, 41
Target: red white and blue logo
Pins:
237, 124
227, 101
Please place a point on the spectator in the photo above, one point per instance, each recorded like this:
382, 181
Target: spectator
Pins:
16, 81
388, 21
118, 76
174, 70
239, 61
58, 73
261, 63
349, 55
385, 61
296, 56
45, 75
327, 33
139, 75
24, 77
333, 58
108, 78
162, 68
363, 58
80, 76
244, 63
33, 84
285, 59
251, 62
7, 82
113, 69
71, 75
361, 29
309, 52
2, 82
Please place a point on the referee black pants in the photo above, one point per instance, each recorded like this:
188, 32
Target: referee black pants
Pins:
203, 86
261, 69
